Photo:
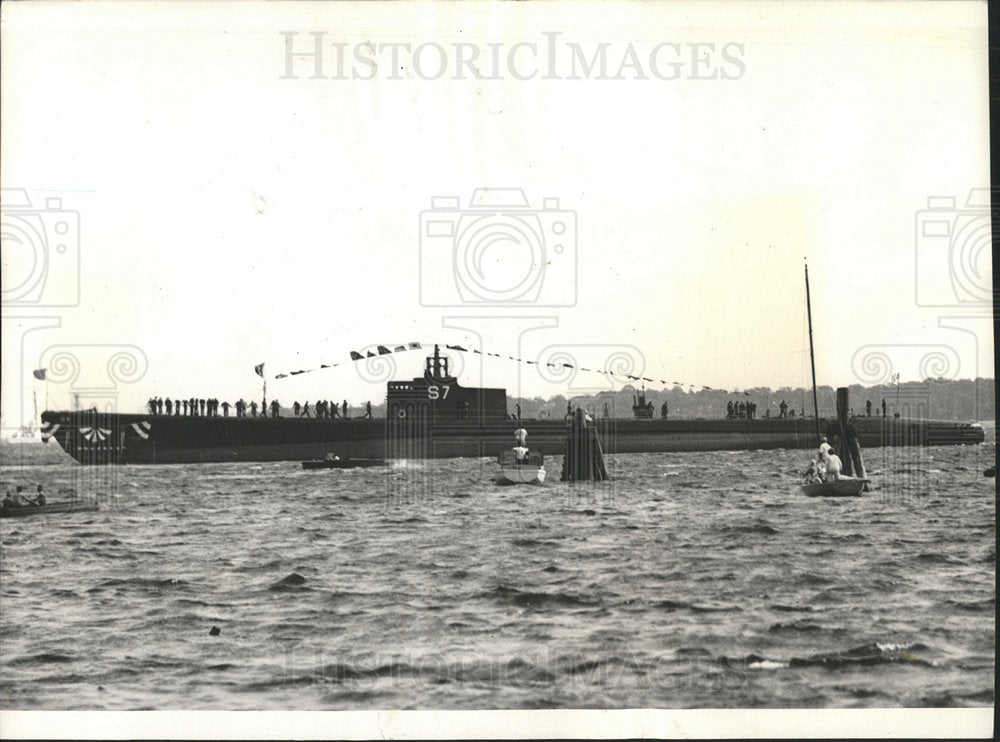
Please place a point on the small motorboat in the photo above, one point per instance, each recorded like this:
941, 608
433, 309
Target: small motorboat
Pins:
335, 462
835, 488
82, 506
512, 471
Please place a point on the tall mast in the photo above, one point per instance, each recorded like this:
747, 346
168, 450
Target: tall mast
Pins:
812, 358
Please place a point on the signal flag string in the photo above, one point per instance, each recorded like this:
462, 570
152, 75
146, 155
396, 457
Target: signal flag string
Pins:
383, 350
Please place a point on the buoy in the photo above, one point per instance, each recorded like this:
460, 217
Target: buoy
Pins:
584, 459
850, 449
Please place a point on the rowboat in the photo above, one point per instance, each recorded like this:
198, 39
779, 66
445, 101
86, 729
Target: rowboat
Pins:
56, 507
836, 488
512, 472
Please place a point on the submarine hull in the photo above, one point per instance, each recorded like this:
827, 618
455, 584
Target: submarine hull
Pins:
97, 438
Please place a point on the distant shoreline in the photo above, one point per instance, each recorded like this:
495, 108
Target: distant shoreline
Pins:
32, 452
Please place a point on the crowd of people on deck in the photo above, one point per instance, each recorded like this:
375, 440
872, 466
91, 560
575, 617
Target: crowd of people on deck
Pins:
749, 410
324, 408
20, 500
742, 410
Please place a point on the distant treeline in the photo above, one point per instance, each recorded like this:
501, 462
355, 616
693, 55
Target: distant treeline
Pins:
936, 399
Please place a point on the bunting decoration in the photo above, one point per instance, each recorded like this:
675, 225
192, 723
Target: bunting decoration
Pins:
142, 429
94, 434
385, 350
49, 430
259, 370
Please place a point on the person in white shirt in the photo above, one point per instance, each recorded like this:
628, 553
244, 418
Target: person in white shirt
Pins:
833, 467
824, 448
521, 449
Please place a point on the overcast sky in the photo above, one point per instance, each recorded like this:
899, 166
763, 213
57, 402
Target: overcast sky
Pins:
234, 209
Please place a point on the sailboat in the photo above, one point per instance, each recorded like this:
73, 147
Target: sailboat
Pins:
844, 486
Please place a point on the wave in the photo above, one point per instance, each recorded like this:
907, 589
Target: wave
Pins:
42, 658
934, 557
141, 583
794, 626
985, 604
538, 600
670, 605
791, 608
867, 654
528, 542
293, 581
758, 528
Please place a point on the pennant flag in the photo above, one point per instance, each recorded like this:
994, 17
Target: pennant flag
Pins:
480, 352
259, 369
39, 374
567, 365
456, 347
281, 376
414, 346
324, 365
355, 356
296, 373
370, 354
382, 350
400, 348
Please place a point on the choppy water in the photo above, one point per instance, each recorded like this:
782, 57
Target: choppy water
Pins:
691, 580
